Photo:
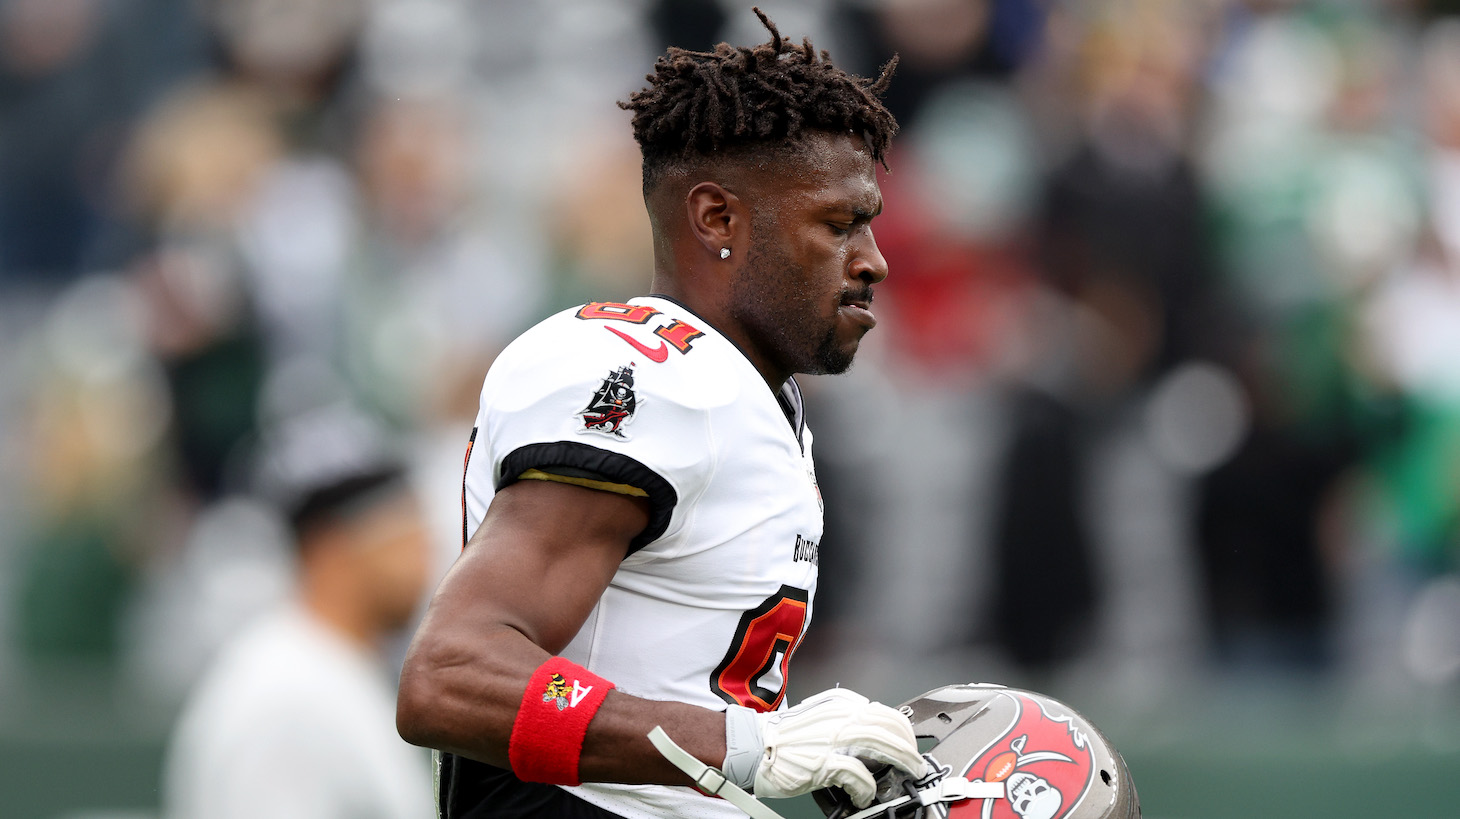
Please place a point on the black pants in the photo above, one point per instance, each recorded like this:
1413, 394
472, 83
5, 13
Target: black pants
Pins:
472, 790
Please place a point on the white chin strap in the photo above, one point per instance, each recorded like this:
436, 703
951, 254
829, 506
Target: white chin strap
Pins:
708, 780
711, 782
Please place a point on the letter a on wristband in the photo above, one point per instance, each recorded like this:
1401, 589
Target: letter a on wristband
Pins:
547, 735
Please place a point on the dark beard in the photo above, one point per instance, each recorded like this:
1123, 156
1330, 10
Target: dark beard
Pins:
770, 300
830, 359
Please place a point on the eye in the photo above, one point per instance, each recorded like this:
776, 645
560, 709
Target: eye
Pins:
839, 229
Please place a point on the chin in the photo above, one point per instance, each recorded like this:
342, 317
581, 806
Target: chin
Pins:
834, 355
833, 361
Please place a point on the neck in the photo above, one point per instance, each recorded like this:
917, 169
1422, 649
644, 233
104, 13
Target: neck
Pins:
712, 305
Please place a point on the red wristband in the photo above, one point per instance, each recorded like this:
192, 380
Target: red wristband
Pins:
547, 735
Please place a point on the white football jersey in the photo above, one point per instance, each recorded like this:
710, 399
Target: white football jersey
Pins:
716, 594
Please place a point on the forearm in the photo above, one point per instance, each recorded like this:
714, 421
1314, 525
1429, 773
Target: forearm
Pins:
464, 699
617, 748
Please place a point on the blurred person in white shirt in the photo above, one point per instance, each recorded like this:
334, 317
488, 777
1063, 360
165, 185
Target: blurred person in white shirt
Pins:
296, 718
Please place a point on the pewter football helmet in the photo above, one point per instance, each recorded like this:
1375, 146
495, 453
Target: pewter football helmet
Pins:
1000, 753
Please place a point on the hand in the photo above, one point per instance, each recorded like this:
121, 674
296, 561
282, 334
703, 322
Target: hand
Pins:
821, 743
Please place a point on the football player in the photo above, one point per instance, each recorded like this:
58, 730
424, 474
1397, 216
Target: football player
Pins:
639, 495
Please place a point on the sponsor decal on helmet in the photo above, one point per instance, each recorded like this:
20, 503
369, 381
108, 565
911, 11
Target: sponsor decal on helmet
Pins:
612, 406
1042, 758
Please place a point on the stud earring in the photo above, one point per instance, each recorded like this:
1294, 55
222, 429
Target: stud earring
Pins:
724, 252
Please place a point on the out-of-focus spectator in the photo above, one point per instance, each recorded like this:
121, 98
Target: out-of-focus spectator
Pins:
93, 438
73, 74
1124, 264
295, 718
1410, 345
598, 226
194, 166
943, 41
958, 203
1411, 334
1317, 198
236, 182
434, 285
45, 218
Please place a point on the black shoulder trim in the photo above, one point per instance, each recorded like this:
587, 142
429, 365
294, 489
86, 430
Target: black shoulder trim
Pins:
612, 465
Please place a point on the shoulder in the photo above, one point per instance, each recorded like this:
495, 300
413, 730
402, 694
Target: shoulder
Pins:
649, 345
622, 392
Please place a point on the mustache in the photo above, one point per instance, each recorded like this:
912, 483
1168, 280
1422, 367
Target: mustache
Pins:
863, 295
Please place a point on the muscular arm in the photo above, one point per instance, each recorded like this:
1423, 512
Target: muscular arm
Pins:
524, 585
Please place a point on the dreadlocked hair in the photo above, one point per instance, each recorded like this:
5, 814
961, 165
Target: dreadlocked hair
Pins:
700, 103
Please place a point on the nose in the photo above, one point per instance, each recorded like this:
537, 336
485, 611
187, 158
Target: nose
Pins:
868, 265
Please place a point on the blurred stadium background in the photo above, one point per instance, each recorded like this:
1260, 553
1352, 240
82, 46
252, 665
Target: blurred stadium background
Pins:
1162, 418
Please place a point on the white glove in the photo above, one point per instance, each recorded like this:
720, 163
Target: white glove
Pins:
818, 744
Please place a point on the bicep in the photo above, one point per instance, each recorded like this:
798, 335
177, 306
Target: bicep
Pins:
523, 586
540, 560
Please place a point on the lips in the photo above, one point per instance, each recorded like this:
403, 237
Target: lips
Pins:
857, 307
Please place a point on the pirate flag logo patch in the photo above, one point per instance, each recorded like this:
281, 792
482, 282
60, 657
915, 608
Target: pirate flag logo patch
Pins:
1043, 759
612, 405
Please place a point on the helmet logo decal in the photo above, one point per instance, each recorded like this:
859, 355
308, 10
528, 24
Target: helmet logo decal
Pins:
1043, 760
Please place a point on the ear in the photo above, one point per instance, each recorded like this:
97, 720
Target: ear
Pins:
717, 218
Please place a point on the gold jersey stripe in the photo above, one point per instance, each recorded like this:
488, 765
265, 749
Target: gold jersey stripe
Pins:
588, 483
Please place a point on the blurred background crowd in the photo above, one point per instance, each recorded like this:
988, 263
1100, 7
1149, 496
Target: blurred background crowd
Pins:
1158, 417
